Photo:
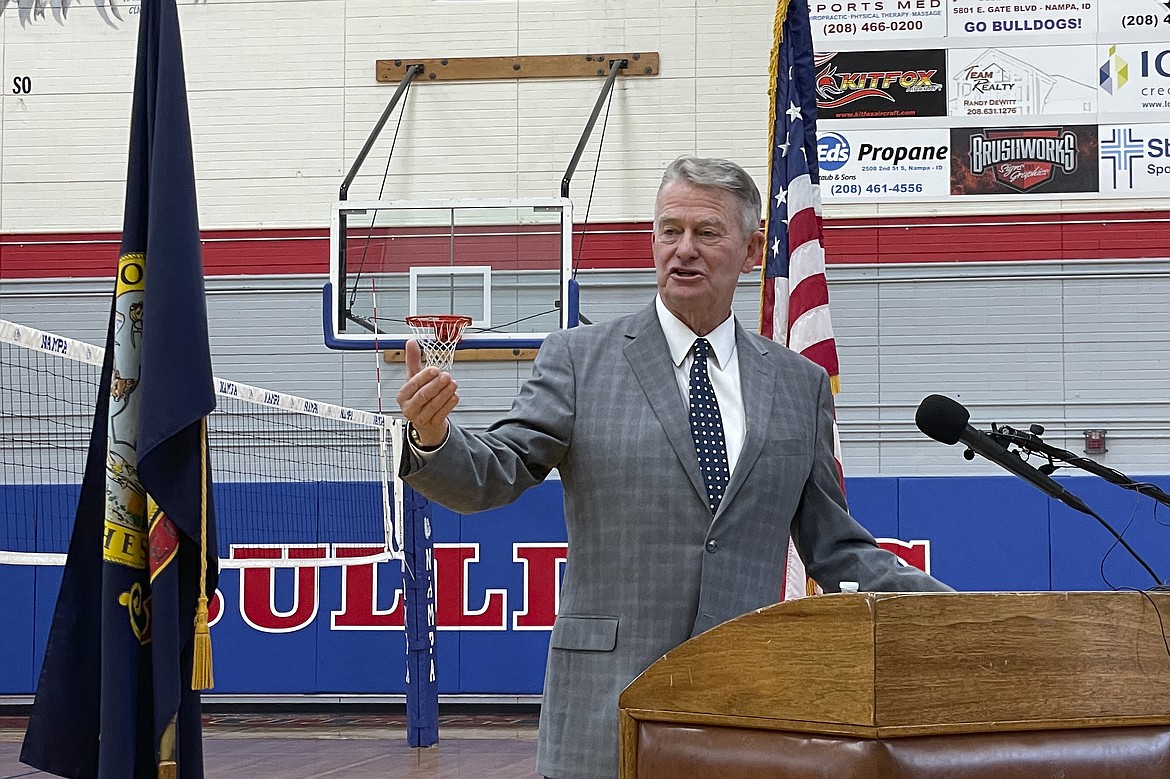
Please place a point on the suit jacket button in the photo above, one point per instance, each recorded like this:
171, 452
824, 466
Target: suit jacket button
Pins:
712, 546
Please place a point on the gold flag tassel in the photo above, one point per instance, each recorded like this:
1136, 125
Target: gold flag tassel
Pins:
167, 767
201, 675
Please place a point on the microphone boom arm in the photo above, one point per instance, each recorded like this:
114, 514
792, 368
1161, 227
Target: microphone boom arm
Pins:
1030, 442
946, 421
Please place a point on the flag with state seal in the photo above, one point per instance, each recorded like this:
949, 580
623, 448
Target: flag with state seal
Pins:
129, 647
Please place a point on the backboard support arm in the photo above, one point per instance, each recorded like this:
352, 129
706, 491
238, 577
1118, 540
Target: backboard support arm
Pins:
411, 71
615, 67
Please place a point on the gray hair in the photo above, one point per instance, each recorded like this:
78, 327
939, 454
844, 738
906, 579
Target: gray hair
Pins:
718, 174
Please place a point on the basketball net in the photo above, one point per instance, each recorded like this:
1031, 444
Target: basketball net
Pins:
437, 336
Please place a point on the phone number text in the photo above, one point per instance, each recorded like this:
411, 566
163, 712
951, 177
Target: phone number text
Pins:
858, 190
852, 28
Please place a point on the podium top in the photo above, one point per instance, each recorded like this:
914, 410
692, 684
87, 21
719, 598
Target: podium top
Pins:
892, 664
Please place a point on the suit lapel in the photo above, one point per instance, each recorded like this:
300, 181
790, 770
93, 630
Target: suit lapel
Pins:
759, 384
649, 358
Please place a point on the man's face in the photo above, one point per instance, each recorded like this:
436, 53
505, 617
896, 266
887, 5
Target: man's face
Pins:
700, 251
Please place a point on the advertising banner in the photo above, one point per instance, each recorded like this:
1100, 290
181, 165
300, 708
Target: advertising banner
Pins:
1029, 81
863, 20
995, 18
867, 84
1134, 77
1147, 18
1024, 160
876, 165
1135, 159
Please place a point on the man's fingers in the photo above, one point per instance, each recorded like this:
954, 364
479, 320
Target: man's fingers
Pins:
438, 421
420, 392
420, 381
436, 408
413, 358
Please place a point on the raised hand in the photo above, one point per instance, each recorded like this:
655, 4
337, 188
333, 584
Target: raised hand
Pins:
427, 397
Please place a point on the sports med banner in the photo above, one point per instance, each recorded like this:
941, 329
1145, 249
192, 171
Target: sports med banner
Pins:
848, 20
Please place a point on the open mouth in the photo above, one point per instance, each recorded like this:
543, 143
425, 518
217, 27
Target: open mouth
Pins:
686, 275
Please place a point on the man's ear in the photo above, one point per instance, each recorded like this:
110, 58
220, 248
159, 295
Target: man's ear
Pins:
755, 252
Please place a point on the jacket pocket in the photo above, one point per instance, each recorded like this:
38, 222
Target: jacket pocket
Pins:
596, 634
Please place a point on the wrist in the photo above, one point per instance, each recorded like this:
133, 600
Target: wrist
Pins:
423, 442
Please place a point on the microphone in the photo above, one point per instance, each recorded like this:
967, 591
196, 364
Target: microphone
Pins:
945, 421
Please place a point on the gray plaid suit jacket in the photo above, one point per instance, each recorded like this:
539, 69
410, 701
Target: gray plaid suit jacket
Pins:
648, 566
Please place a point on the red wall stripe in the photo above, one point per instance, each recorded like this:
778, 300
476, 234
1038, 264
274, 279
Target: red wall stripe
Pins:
1042, 237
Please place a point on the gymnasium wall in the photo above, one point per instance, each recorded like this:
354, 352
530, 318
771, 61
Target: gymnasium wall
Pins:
336, 632
1036, 292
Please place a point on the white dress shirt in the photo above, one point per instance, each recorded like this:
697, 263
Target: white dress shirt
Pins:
723, 370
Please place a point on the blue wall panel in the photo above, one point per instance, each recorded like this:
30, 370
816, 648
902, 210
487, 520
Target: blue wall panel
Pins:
874, 503
20, 513
18, 645
247, 659
56, 506
1082, 549
48, 584
376, 657
487, 658
985, 533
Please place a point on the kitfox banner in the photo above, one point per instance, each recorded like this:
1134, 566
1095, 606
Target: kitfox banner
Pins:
115, 697
876, 84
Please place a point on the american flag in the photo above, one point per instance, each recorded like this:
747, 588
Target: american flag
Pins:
795, 296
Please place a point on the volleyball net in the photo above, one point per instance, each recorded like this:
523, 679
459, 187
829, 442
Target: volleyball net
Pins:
294, 479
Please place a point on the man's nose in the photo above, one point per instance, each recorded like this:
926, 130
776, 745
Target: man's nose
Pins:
686, 245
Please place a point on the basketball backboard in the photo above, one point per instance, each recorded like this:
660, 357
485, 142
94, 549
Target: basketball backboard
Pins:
505, 263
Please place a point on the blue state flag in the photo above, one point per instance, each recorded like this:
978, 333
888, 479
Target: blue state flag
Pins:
115, 697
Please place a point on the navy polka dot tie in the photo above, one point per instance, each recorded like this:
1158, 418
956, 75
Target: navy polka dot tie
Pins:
707, 427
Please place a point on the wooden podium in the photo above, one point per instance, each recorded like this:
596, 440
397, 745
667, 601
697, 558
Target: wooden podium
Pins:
961, 685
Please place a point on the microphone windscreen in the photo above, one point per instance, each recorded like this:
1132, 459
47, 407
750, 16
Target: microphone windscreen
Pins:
942, 419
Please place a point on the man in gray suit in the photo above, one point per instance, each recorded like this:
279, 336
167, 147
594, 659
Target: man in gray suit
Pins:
689, 449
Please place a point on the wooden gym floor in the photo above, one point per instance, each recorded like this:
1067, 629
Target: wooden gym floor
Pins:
292, 745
